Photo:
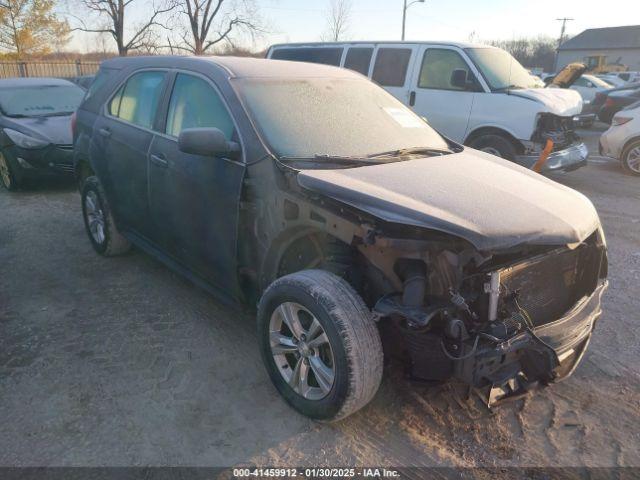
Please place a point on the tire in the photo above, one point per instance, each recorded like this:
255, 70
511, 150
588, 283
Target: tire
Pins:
8, 176
98, 221
496, 145
631, 157
352, 350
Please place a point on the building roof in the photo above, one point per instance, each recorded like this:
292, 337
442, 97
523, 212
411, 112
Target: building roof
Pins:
604, 38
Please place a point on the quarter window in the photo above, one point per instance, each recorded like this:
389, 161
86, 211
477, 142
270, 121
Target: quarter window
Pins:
195, 103
326, 56
137, 100
359, 59
391, 66
438, 66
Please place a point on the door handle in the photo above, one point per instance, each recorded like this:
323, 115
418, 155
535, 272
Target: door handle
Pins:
105, 132
159, 160
412, 98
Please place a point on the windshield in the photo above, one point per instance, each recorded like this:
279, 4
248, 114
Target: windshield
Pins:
303, 118
500, 70
40, 100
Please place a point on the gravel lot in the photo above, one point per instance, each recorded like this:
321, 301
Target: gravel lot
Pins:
122, 362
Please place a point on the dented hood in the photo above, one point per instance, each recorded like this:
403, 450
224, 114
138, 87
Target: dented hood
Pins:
490, 202
559, 101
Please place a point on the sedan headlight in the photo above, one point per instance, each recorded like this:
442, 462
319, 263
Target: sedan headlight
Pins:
25, 141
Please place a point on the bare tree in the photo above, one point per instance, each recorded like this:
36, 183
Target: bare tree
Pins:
212, 22
338, 19
113, 13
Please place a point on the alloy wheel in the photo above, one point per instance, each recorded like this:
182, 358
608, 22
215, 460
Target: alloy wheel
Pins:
5, 174
301, 351
95, 217
633, 159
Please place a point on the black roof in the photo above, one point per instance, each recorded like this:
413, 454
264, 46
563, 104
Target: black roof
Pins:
605, 38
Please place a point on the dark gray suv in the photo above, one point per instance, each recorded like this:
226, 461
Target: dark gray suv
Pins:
353, 225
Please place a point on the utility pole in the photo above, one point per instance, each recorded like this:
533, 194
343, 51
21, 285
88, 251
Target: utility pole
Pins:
404, 14
564, 25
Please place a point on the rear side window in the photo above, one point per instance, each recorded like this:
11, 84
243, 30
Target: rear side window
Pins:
391, 66
359, 59
137, 100
437, 68
326, 56
195, 103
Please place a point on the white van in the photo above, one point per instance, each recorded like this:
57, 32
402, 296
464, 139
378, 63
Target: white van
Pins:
473, 94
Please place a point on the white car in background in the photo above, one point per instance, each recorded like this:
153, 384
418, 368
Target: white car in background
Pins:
622, 140
612, 79
588, 85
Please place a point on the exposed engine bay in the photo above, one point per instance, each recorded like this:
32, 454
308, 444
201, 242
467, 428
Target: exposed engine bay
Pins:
560, 130
497, 324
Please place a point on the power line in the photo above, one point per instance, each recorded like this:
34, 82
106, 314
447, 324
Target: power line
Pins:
564, 25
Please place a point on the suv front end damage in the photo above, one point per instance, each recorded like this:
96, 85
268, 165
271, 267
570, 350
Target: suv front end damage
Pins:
568, 152
499, 326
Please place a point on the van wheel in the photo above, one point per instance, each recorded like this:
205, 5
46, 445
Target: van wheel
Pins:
320, 344
631, 158
98, 221
7, 174
496, 145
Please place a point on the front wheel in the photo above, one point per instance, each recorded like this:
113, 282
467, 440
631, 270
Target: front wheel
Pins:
7, 174
495, 145
631, 158
320, 344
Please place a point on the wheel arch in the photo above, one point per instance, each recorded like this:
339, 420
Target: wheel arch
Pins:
492, 130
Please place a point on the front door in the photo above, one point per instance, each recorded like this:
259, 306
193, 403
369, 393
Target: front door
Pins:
446, 107
194, 199
126, 134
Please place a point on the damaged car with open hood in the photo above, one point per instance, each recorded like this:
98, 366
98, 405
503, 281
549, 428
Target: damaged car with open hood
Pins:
358, 231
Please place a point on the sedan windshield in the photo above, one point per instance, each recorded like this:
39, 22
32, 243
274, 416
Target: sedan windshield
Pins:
40, 100
325, 118
500, 70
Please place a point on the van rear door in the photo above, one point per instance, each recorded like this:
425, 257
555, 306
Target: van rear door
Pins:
435, 93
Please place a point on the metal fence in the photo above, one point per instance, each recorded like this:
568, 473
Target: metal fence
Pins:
47, 69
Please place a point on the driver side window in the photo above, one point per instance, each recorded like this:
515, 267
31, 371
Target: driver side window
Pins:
438, 65
195, 103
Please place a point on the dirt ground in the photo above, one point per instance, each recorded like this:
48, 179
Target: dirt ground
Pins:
122, 362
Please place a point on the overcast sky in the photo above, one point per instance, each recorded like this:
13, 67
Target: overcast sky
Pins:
305, 20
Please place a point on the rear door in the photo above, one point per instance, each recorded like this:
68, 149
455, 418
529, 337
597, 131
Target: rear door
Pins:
126, 133
194, 199
446, 107
391, 69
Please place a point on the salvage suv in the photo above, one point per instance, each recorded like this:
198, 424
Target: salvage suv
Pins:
352, 224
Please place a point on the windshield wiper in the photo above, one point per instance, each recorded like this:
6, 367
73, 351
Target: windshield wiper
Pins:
508, 87
411, 151
342, 160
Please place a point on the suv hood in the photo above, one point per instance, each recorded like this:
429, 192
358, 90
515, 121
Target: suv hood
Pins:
568, 75
559, 101
490, 202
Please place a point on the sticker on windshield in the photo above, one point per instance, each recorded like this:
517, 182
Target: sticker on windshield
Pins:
404, 118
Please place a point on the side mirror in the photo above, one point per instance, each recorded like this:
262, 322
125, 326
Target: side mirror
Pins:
207, 141
460, 79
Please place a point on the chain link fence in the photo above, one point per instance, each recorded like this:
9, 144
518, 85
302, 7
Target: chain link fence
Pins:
47, 69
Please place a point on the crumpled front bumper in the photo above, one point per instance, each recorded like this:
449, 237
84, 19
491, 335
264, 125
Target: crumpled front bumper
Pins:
571, 158
546, 354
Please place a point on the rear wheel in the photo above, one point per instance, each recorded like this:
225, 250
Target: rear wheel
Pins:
631, 158
98, 220
7, 174
495, 144
320, 344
